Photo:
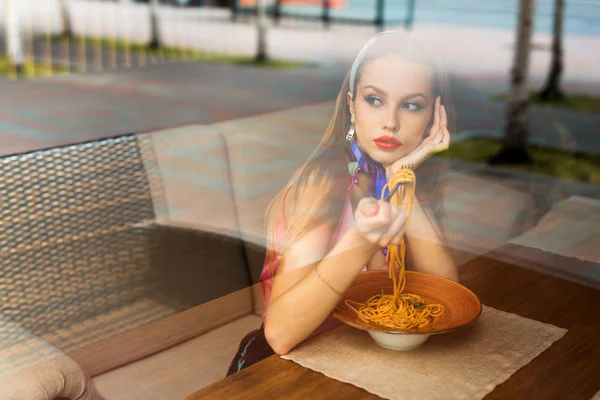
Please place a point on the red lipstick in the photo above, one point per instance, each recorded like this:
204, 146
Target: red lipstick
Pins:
387, 143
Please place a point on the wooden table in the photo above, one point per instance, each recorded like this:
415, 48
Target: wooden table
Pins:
569, 369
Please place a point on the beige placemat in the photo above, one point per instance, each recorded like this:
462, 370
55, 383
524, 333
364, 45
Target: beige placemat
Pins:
465, 364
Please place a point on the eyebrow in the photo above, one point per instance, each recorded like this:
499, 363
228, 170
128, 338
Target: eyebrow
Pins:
408, 96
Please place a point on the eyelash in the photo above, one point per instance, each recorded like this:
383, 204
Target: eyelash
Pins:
371, 99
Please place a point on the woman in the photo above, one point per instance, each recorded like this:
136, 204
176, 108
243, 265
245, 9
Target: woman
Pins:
328, 224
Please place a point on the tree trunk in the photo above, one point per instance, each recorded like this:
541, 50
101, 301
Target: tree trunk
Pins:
515, 133
67, 30
261, 25
410, 17
13, 37
154, 26
551, 91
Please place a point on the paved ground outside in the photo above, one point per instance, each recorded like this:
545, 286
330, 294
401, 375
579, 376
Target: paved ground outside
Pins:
63, 109
66, 108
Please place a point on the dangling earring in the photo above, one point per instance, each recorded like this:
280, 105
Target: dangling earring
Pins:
350, 134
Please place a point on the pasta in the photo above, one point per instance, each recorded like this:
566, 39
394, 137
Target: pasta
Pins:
399, 310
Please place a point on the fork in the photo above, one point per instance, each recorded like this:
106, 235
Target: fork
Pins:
390, 194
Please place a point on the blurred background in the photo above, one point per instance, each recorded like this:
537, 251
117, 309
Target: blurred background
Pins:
77, 70
231, 96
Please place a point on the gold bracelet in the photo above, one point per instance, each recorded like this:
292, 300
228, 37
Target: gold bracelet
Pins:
325, 282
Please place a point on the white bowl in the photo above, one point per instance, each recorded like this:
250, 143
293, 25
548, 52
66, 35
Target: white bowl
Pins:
462, 307
399, 341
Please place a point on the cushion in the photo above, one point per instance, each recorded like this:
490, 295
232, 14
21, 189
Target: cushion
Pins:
264, 152
193, 188
32, 369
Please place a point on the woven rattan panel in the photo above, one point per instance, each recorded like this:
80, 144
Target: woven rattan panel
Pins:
73, 242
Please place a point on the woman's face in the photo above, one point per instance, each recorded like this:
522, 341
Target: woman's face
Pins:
393, 107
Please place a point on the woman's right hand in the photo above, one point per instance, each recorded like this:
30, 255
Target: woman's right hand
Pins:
379, 222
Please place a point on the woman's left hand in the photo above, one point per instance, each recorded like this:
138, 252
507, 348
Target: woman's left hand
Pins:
437, 141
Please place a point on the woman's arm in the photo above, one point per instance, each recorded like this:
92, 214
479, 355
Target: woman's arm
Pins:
310, 280
425, 247
300, 300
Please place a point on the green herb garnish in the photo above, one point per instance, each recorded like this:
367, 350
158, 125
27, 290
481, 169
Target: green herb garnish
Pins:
419, 304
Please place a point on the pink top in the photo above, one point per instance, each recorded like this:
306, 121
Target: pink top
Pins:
266, 277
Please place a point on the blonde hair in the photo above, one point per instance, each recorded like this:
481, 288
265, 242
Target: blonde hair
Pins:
317, 191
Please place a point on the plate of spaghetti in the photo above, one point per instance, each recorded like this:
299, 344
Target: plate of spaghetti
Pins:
401, 309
